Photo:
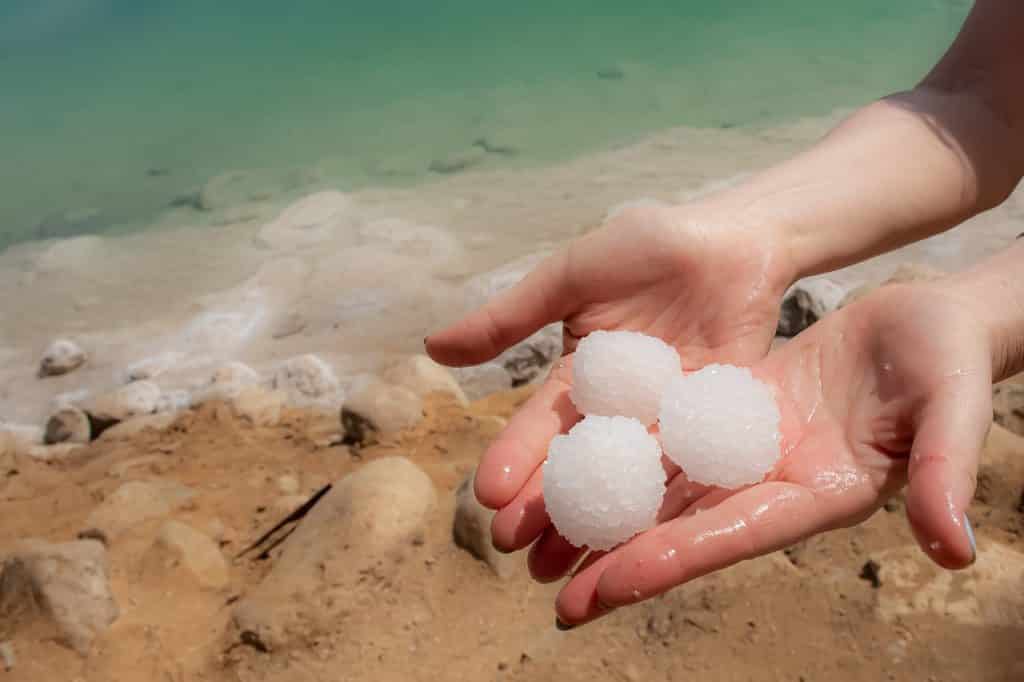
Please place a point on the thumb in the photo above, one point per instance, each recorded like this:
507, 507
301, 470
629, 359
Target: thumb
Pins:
542, 297
943, 469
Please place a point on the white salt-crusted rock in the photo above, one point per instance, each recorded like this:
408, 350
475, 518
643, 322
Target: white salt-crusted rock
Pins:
622, 373
379, 408
603, 481
61, 357
721, 426
131, 400
423, 376
307, 380
69, 425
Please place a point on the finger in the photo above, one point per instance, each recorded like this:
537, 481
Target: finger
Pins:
523, 445
522, 520
552, 557
943, 468
749, 523
541, 298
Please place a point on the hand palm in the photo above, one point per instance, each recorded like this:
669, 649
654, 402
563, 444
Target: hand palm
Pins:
863, 394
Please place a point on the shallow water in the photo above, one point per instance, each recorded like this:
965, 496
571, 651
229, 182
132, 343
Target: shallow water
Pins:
113, 109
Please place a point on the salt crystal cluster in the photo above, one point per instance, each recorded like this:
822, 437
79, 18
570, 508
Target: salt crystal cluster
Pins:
622, 373
721, 426
603, 481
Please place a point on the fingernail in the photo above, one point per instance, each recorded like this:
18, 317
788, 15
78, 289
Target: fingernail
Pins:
970, 537
562, 625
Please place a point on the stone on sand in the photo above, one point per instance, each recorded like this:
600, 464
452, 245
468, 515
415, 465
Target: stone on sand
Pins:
61, 357
311, 220
65, 584
258, 405
806, 302
69, 425
379, 408
132, 400
471, 530
368, 522
423, 376
138, 501
307, 380
179, 545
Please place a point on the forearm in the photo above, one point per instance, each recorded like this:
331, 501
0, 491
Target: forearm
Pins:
994, 290
906, 167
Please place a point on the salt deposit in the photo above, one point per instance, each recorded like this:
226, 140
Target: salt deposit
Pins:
622, 373
603, 481
721, 425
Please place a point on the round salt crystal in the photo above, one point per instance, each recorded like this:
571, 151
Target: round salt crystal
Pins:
603, 481
721, 426
622, 373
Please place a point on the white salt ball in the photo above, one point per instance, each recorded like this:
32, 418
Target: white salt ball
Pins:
622, 373
603, 481
721, 426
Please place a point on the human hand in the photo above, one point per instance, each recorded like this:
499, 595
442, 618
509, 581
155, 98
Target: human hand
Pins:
896, 384
710, 288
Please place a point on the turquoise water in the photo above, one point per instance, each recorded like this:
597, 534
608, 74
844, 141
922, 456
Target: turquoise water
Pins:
113, 109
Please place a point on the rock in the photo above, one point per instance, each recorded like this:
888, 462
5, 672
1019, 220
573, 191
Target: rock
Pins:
458, 161
1008, 405
132, 400
258, 405
532, 357
152, 367
66, 584
379, 408
423, 376
63, 356
359, 530
806, 302
136, 502
179, 544
471, 530
311, 220
70, 425
129, 428
307, 380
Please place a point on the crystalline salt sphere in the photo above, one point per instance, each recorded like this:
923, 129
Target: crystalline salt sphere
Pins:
622, 373
721, 426
603, 481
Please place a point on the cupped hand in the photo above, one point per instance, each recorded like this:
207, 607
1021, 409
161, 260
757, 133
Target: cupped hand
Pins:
710, 287
894, 386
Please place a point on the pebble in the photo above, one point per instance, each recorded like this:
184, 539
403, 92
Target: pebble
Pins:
306, 380
69, 425
61, 357
258, 405
379, 408
806, 302
132, 400
423, 376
